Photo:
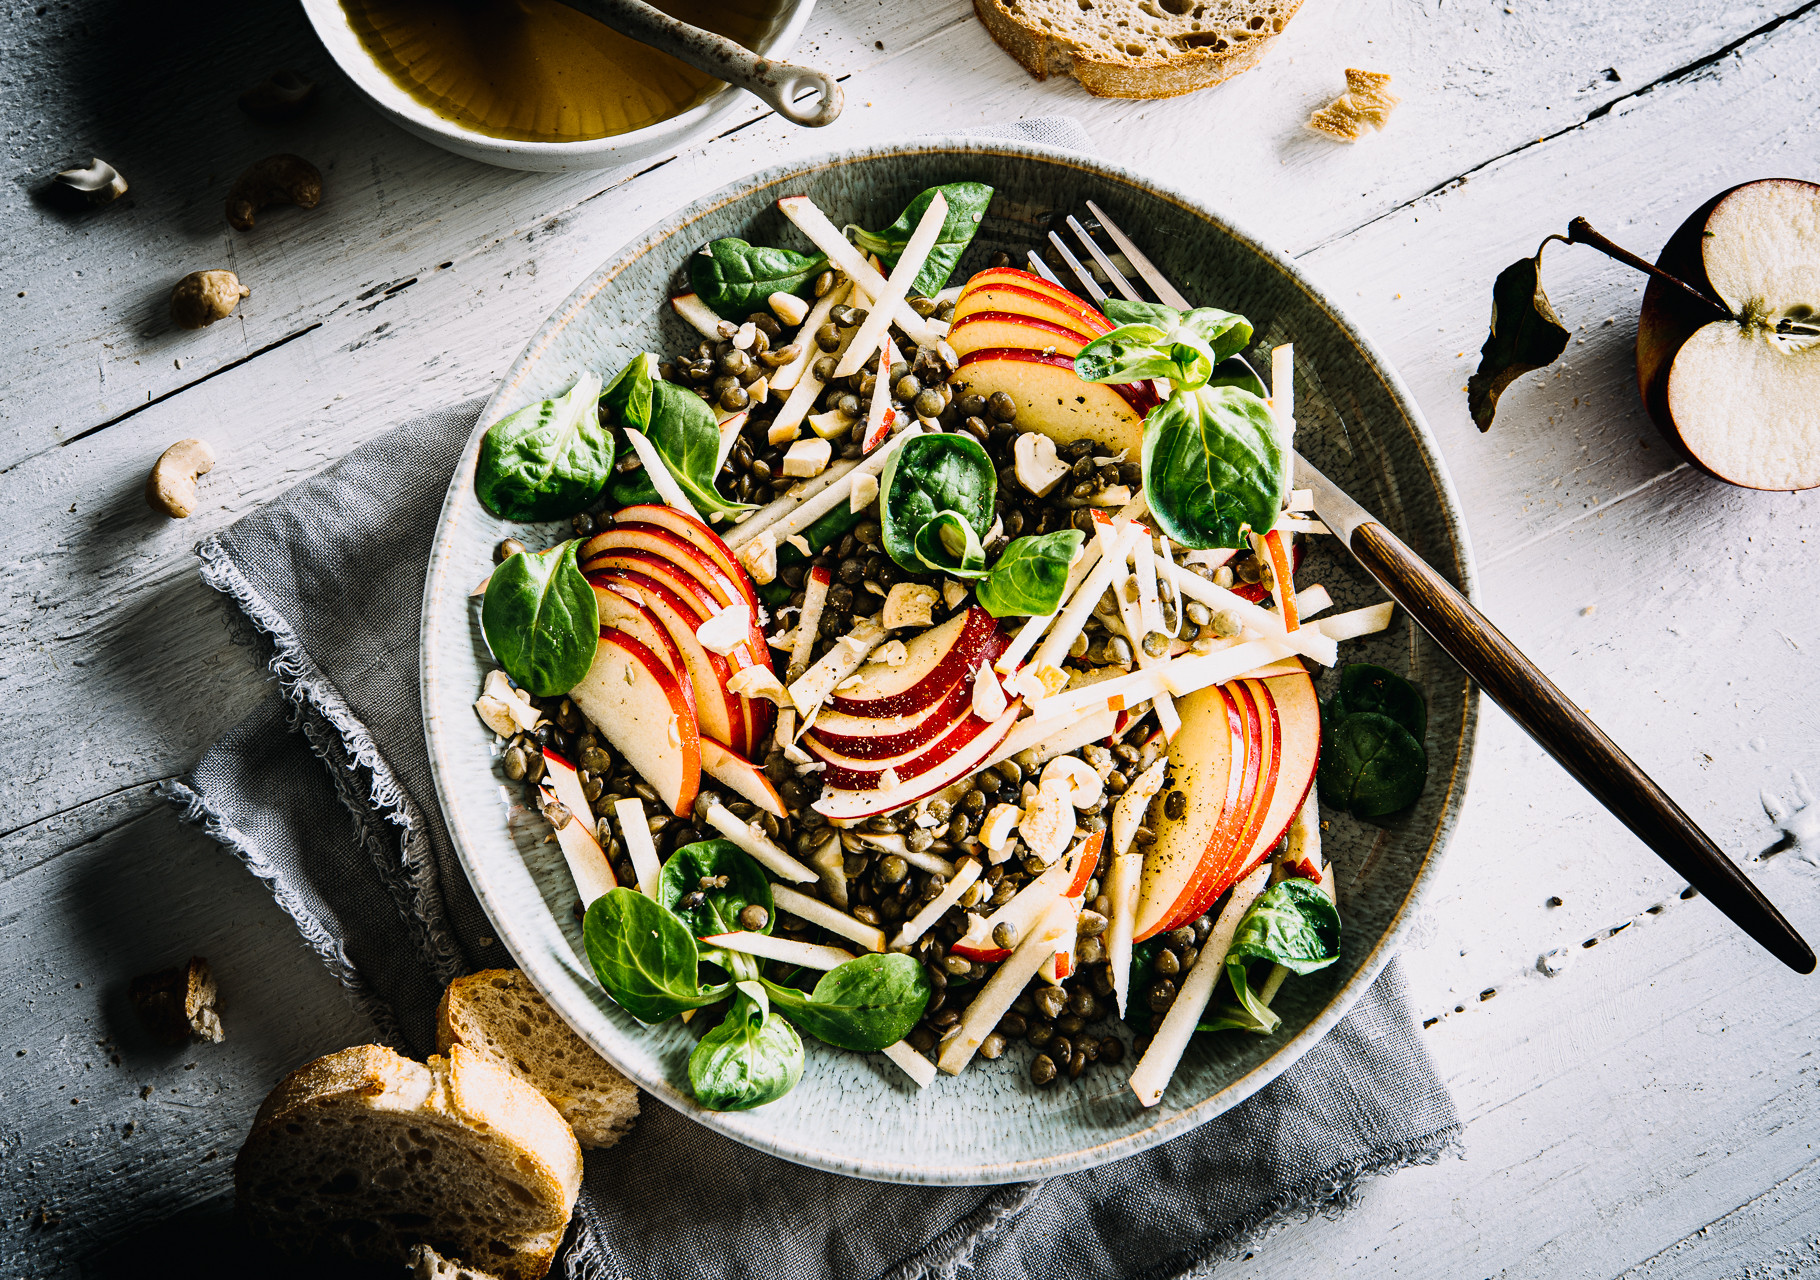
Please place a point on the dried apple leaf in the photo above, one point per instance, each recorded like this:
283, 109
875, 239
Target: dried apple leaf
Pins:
1525, 335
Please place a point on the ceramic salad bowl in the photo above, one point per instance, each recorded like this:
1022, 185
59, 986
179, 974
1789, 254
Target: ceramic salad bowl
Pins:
858, 1114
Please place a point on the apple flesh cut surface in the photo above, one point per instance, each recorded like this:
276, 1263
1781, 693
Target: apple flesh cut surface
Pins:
717, 712
870, 738
1740, 397
620, 613
1052, 305
844, 806
635, 701
608, 551
729, 768
849, 774
1052, 399
987, 329
1095, 320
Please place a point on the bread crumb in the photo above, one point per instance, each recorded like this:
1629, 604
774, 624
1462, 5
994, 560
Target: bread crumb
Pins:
1366, 102
179, 1002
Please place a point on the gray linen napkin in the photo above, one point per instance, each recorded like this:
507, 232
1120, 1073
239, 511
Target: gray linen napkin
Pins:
325, 793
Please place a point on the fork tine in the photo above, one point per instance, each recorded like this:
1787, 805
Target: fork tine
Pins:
1088, 243
1074, 264
1042, 269
1170, 295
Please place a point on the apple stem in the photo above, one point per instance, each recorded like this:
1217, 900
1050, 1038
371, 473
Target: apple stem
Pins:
1580, 231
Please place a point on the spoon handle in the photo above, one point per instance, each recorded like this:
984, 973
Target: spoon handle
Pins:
777, 83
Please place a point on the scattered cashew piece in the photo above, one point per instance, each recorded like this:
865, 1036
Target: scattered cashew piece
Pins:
281, 96
279, 179
171, 488
203, 297
100, 182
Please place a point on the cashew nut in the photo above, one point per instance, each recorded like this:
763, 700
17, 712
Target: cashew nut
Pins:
100, 182
203, 297
280, 179
280, 96
171, 488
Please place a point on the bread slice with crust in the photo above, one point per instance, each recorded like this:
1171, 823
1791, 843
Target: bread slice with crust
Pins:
1136, 48
501, 1016
369, 1154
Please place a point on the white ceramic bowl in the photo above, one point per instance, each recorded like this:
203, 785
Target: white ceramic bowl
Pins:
337, 33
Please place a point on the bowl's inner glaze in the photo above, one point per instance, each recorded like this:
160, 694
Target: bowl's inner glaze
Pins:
859, 1114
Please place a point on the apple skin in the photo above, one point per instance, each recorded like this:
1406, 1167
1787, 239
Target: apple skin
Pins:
1097, 322
716, 710
1668, 318
987, 329
938, 658
729, 768
698, 535
861, 738
847, 774
1057, 307
843, 808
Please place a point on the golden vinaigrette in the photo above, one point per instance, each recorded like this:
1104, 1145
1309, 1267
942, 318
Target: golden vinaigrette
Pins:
538, 71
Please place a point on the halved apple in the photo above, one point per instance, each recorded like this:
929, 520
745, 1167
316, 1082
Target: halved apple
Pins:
620, 612
729, 768
718, 712
1191, 853
634, 700
1094, 320
934, 660
987, 329
1053, 399
1055, 306
697, 535
845, 807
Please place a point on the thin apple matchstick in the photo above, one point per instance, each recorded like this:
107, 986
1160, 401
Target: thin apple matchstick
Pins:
1160, 1060
897, 287
813, 223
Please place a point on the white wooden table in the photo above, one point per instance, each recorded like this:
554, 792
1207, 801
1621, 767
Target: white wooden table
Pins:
1651, 1110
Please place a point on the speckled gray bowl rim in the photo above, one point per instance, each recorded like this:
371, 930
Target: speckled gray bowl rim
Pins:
801, 1148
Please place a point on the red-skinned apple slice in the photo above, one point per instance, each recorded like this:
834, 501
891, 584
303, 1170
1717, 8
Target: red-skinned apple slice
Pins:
1052, 398
1207, 763
841, 806
1055, 307
985, 329
1298, 722
933, 662
994, 277
729, 768
717, 712
639, 706
697, 535
620, 612
588, 864
866, 738
600, 550
849, 774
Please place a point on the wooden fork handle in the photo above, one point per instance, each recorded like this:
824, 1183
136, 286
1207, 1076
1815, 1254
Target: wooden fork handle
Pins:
1566, 733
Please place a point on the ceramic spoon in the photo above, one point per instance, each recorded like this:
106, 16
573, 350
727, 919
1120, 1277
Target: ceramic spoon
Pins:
777, 83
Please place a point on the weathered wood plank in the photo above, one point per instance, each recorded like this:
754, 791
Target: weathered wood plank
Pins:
101, 1128
88, 340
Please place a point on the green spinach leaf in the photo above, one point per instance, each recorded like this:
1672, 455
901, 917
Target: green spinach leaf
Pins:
630, 395
644, 956
1525, 335
750, 1059
735, 278
541, 620
1370, 764
1214, 466
930, 474
687, 439
1293, 924
967, 203
1235, 371
548, 460
1364, 687
1030, 575
948, 544
689, 887
1154, 341
864, 1004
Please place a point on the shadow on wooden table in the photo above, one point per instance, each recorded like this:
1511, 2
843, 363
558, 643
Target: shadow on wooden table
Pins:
207, 1241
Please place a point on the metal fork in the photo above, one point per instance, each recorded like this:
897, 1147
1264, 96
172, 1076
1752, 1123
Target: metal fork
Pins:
1513, 681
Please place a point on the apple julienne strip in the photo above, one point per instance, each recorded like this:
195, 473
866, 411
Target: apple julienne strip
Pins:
659, 474
787, 376
810, 955
815, 911
1177, 676
897, 287
913, 1064
755, 842
1074, 616
1160, 1060
810, 510
813, 223
635, 832
919, 924
1310, 642
1005, 985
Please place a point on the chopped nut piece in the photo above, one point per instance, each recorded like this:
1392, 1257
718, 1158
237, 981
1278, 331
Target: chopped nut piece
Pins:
910, 604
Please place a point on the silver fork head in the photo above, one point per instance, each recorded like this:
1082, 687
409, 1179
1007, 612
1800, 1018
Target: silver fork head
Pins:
1134, 257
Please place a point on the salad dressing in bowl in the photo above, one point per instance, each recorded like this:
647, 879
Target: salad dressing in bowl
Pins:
539, 71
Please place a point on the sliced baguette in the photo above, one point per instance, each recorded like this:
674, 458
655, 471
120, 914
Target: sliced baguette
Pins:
498, 1014
369, 1154
1136, 48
